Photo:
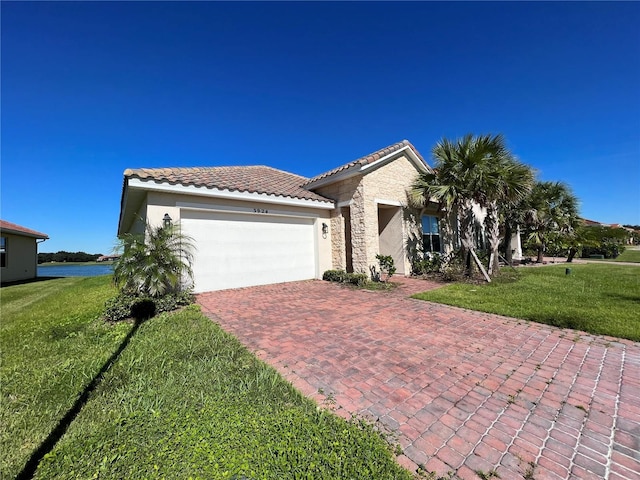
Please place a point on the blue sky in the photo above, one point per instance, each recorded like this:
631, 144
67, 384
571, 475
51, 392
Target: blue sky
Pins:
91, 88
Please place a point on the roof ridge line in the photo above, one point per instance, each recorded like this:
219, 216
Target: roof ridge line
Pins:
368, 159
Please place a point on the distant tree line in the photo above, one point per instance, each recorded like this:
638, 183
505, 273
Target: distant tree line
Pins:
63, 256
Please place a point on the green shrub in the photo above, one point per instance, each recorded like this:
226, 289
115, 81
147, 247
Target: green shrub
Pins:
125, 306
358, 279
608, 249
334, 275
340, 276
431, 263
387, 265
118, 308
173, 301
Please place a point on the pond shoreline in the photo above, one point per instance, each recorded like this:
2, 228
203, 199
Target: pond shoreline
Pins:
89, 269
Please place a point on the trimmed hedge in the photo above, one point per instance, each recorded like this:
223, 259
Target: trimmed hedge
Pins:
340, 276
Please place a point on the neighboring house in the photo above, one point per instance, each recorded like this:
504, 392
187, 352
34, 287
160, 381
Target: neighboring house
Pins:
18, 252
630, 231
592, 223
258, 225
107, 258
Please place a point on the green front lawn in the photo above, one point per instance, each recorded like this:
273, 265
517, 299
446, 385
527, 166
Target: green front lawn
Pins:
51, 349
600, 299
184, 400
629, 255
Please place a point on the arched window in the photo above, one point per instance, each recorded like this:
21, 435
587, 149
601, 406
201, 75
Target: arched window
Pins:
430, 234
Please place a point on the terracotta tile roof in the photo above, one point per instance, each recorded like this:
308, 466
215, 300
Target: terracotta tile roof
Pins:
591, 223
15, 228
367, 159
251, 179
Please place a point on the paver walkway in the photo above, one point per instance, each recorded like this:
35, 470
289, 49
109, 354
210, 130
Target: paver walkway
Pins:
463, 391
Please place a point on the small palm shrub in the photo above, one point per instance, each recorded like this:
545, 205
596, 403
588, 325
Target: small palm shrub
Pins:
153, 273
154, 264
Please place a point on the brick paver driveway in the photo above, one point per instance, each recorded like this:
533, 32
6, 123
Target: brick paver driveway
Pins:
463, 391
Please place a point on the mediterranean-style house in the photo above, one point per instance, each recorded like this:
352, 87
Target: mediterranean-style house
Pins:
257, 225
18, 252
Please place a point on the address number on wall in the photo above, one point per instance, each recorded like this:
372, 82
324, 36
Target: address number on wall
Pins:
260, 210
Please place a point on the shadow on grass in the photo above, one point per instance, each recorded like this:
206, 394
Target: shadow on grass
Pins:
625, 297
28, 280
56, 434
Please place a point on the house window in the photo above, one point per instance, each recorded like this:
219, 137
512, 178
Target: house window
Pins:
3, 251
430, 234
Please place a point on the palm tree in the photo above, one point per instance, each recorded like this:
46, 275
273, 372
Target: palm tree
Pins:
155, 263
551, 207
506, 181
467, 171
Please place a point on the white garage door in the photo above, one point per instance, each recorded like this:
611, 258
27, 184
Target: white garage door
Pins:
241, 250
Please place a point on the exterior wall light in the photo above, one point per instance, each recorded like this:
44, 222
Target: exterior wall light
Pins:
325, 230
166, 220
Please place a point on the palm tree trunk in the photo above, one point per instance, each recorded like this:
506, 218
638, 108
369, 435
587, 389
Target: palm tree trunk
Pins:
507, 243
491, 222
540, 254
466, 234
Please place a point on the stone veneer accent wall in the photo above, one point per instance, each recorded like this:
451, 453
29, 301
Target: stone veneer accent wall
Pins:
342, 191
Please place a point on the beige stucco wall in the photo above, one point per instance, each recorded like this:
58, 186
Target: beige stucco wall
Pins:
390, 235
159, 203
21, 258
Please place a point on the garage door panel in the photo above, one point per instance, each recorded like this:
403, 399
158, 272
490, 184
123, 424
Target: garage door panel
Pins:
238, 250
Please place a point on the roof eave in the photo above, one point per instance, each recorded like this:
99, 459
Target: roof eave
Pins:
362, 169
153, 185
36, 235
123, 202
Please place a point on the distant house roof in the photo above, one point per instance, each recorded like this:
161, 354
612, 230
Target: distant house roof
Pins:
251, 179
591, 223
368, 160
20, 230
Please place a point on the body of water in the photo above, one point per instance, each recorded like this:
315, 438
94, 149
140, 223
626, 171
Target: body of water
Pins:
74, 270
